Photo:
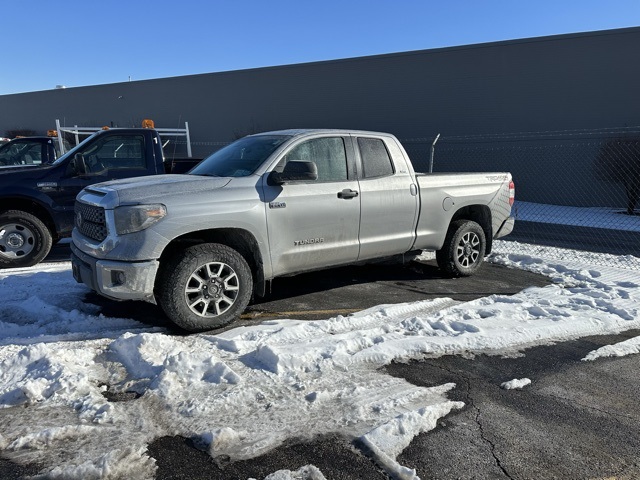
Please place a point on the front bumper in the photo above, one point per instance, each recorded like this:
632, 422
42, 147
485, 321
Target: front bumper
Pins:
115, 280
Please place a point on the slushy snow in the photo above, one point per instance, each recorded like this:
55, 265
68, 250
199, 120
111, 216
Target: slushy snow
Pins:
244, 392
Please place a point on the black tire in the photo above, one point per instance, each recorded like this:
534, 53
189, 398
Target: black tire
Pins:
24, 239
205, 287
463, 250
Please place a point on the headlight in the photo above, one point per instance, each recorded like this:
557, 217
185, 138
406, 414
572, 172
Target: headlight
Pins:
134, 218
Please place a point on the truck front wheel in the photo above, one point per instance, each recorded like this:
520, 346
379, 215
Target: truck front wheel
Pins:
463, 250
205, 286
24, 239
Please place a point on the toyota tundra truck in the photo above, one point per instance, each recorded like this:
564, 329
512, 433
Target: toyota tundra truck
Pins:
273, 204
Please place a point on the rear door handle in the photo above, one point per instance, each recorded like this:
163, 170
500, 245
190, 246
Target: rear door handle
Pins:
347, 193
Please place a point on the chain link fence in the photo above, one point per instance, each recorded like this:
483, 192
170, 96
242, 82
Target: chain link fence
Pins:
574, 189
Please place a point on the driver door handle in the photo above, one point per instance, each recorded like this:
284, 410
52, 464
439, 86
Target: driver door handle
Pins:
347, 193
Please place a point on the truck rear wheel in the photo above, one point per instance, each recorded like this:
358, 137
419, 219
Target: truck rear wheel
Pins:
205, 286
463, 250
24, 239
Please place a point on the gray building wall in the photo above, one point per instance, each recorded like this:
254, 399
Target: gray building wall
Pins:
564, 82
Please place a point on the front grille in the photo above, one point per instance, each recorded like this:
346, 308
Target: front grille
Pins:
90, 221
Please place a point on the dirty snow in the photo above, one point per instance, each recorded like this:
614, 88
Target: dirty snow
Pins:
246, 391
516, 384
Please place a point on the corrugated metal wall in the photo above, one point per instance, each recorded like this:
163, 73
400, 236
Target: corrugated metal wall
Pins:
565, 82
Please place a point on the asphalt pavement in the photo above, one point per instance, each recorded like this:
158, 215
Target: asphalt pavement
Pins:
577, 420
344, 290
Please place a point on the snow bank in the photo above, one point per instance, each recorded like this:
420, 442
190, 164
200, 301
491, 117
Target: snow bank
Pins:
248, 390
628, 347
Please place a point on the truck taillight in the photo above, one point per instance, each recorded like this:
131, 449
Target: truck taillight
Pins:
512, 193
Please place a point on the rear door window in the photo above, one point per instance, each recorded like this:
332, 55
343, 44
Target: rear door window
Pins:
376, 161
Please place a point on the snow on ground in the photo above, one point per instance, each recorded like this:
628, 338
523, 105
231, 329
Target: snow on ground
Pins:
628, 347
245, 391
599, 217
516, 384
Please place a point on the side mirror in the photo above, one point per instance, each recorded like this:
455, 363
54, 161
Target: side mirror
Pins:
295, 171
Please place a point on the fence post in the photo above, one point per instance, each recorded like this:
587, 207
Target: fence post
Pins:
433, 148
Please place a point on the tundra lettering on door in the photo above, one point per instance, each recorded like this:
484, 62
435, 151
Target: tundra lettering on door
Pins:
309, 241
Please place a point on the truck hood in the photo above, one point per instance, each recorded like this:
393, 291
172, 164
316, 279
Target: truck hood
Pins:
155, 188
13, 168
16, 174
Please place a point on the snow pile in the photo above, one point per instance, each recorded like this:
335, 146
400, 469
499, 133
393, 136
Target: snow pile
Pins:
387, 441
308, 472
516, 384
246, 391
44, 303
628, 347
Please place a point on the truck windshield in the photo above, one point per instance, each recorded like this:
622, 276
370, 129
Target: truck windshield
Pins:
241, 158
21, 152
74, 150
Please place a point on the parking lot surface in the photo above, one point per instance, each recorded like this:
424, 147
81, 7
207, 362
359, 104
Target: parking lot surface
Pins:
576, 420
344, 290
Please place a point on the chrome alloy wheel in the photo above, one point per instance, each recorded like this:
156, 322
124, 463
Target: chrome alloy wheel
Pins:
468, 249
212, 289
16, 240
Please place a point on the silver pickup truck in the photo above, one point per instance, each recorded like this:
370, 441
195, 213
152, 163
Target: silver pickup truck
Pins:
273, 204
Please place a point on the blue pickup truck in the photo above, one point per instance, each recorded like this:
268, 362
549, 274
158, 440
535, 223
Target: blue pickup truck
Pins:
37, 196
